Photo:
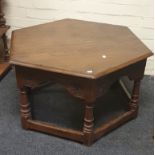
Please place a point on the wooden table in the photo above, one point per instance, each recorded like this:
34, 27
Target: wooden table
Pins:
4, 54
87, 58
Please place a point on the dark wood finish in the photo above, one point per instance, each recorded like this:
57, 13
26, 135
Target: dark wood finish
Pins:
88, 127
135, 96
4, 56
25, 108
77, 48
87, 87
55, 130
112, 124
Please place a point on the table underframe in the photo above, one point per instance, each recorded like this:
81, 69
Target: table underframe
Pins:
88, 90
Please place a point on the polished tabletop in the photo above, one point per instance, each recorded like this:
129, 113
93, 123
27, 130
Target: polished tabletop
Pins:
78, 48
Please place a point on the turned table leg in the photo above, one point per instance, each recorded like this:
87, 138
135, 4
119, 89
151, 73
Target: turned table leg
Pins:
88, 126
6, 50
24, 107
135, 96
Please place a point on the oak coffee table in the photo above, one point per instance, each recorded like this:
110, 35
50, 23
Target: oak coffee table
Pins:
86, 58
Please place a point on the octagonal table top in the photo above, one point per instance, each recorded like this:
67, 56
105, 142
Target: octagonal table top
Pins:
78, 48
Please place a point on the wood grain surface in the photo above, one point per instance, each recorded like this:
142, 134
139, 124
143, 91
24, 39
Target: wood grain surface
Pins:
78, 48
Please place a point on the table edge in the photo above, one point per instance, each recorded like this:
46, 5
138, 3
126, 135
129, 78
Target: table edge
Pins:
89, 76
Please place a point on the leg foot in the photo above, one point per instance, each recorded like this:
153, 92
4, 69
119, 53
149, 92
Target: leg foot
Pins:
133, 105
24, 108
88, 125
